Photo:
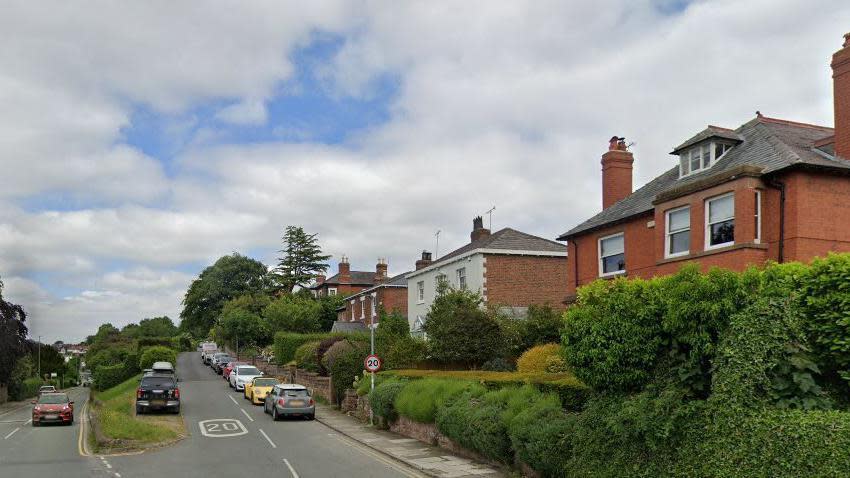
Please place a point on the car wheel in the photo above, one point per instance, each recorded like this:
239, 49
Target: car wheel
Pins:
275, 416
311, 416
34, 423
139, 410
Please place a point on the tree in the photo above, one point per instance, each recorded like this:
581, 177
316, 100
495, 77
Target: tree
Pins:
13, 335
157, 327
293, 313
459, 332
244, 327
302, 259
230, 277
254, 303
328, 315
51, 360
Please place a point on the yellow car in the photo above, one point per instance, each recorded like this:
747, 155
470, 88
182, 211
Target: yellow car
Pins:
257, 389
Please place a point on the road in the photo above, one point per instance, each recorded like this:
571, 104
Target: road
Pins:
289, 448
48, 450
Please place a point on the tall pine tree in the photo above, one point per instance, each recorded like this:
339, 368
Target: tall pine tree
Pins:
302, 259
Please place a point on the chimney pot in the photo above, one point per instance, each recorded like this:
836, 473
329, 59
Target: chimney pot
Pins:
616, 172
344, 270
425, 261
841, 98
478, 229
381, 271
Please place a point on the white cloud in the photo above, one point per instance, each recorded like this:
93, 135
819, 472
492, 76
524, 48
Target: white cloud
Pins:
503, 103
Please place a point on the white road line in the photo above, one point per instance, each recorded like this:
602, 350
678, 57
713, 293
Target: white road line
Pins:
291, 470
267, 438
118, 475
11, 433
28, 421
246, 413
108, 465
233, 400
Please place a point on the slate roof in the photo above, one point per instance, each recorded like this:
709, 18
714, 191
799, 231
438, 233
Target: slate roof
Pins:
357, 278
709, 132
509, 240
400, 279
342, 326
767, 143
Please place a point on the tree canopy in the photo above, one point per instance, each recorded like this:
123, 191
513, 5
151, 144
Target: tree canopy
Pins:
230, 277
452, 316
302, 259
157, 327
13, 334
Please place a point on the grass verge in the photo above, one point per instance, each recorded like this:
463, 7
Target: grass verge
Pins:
115, 425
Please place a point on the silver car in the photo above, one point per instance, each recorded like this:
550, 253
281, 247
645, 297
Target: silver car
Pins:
289, 399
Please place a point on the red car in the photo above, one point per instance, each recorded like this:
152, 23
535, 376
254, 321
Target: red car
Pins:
53, 407
225, 372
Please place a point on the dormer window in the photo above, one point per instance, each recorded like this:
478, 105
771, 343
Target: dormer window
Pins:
701, 157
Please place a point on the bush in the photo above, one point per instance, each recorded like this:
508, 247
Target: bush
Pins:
404, 352
322, 349
498, 364
475, 422
421, 399
539, 436
305, 356
452, 315
155, 341
382, 399
285, 344
108, 376
156, 354
28, 388
346, 366
542, 359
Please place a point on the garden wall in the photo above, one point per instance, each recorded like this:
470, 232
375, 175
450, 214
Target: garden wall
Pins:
4, 394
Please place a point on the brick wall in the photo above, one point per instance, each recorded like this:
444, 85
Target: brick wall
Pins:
390, 298
520, 281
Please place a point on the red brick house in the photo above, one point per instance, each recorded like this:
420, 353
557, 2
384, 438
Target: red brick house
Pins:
770, 189
347, 281
509, 268
364, 306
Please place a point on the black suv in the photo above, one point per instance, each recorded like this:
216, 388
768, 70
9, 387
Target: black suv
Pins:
157, 392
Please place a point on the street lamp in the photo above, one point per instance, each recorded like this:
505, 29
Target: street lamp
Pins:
39, 357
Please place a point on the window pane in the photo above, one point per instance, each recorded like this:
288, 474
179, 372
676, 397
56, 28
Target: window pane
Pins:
722, 232
612, 245
721, 209
680, 242
695, 159
706, 156
613, 263
680, 219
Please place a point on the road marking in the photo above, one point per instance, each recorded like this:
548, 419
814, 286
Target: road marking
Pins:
233, 400
291, 470
222, 428
118, 475
268, 439
377, 456
107, 465
12, 433
28, 421
246, 414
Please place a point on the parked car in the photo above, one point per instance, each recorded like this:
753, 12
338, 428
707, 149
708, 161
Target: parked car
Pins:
164, 368
219, 363
207, 348
215, 356
289, 400
243, 374
229, 368
208, 356
157, 392
46, 389
52, 407
257, 389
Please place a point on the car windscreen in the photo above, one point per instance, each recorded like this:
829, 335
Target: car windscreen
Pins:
301, 392
247, 371
53, 398
223, 359
157, 382
265, 382
48, 388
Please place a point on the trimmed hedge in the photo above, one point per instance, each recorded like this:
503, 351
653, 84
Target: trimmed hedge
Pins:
421, 399
157, 353
108, 376
382, 399
474, 422
544, 358
29, 388
285, 343
346, 366
306, 356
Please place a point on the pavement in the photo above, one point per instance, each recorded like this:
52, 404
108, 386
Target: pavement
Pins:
432, 460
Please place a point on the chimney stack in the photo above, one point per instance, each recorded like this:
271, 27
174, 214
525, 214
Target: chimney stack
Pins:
320, 279
478, 230
616, 172
841, 98
381, 271
344, 270
425, 261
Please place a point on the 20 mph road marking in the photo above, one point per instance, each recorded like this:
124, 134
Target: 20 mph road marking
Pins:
12, 433
291, 470
267, 438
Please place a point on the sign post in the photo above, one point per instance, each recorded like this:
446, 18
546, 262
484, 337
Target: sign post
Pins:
372, 364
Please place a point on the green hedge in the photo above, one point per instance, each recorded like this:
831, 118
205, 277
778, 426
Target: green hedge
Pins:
108, 376
29, 388
382, 399
286, 343
157, 353
421, 399
170, 342
346, 367
306, 356
474, 420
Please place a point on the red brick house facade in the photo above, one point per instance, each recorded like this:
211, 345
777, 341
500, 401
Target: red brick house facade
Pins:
771, 189
365, 306
346, 282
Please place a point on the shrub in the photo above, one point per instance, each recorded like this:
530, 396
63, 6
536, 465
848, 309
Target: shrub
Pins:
28, 388
294, 313
420, 399
475, 422
404, 352
108, 376
498, 364
305, 356
539, 436
156, 354
334, 352
153, 341
382, 399
285, 344
541, 359
452, 315
345, 366
322, 349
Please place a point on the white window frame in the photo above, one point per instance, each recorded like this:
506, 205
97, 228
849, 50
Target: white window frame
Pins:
331, 291
757, 238
708, 202
461, 278
420, 292
353, 310
667, 233
599, 254
685, 157
362, 307
374, 297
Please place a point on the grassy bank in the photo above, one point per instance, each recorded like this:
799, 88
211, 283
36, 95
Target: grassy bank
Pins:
116, 426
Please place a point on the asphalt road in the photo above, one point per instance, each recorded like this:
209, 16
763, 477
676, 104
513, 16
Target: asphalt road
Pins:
48, 450
245, 442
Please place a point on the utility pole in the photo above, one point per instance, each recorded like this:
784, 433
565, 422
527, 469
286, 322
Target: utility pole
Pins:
372, 340
436, 249
39, 357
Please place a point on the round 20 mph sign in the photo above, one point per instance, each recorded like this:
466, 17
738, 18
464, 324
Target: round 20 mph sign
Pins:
372, 363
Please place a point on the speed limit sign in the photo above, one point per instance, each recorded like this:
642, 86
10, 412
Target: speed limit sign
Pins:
372, 363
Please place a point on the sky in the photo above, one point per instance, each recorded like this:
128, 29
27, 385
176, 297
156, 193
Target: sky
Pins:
141, 141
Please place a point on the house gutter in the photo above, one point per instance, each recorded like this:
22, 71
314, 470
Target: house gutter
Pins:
780, 186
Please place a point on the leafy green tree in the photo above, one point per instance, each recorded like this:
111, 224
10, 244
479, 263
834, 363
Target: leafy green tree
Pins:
51, 360
328, 315
13, 334
130, 331
451, 319
105, 333
245, 328
302, 259
293, 313
157, 327
254, 303
156, 353
230, 277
